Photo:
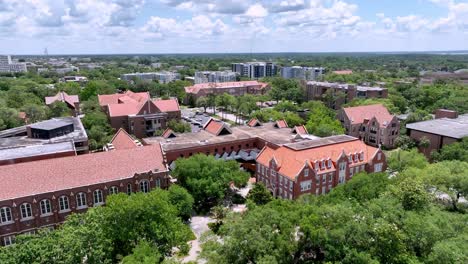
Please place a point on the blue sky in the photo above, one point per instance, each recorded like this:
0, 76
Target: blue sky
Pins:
204, 26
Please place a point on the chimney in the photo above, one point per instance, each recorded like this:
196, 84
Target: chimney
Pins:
445, 113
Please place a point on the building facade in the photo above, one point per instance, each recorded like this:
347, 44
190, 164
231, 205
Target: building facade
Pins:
233, 88
215, 77
162, 77
255, 70
336, 94
315, 166
371, 123
72, 101
302, 73
137, 113
8, 66
72, 185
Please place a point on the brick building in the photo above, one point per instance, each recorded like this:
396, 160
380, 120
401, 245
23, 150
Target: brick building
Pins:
72, 101
440, 131
336, 94
233, 88
137, 113
371, 123
41, 194
315, 166
57, 137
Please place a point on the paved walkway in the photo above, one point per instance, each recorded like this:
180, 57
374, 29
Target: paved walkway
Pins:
199, 225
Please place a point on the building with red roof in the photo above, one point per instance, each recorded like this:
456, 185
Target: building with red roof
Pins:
315, 166
72, 101
371, 123
301, 130
137, 113
281, 124
233, 88
343, 72
40, 194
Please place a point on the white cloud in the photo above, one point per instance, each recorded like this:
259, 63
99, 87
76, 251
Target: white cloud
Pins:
256, 10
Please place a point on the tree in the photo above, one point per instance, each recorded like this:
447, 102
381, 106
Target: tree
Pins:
203, 102
399, 160
259, 194
9, 118
59, 109
182, 200
412, 194
225, 101
179, 126
35, 113
143, 253
208, 179
454, 151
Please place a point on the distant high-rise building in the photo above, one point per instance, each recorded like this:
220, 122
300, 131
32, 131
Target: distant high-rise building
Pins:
215, 76
255, 70
7, 65
302, 73
162, 77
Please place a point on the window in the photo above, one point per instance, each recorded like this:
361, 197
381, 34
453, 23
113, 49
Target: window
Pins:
158, 183
361, 156
64, 205
306, 172
351, 172
98, 199
317, 166
46, 207
362, 167
8, 240
144, 186
113, 190
81, 200
258, 168
273, 173
129, 188
379, 156
306, 185
324, 178
26, 211
290, 185
342, 172
329, 163
330, 177
378, 167
5, 215
323, 164
350, 157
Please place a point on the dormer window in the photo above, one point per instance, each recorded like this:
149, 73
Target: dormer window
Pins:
355, 157
350, 157
329, 165
323, 164
361, 156
317, 165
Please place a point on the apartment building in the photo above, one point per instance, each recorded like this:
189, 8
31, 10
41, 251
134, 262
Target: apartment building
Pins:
67, 185
255, 70
137, 113
302, 73
215, 76
336, 94
233, 88
161, 77
315, 166
8, 66
371, 123
446, 129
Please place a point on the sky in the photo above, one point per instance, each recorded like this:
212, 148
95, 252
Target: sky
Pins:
231, 26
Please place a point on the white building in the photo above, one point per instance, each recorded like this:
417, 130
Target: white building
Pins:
255, 70
7, 65
215, 76
162, 77
302, 73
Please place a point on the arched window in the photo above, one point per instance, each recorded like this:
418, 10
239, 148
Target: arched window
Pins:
81, 200
5, 215
144, 186
46, 207
129, 188
113, 190
97, 197
26, 211
63, 203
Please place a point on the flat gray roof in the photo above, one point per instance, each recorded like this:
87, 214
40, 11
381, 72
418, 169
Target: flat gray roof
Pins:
454, 128
319, 142
52, 124
35, 150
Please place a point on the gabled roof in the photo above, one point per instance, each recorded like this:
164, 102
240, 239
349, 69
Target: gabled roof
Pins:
169, 105
292, 160
127, 96
168, 133
65, 173
217, 128
122, 140
281, 124
363, 114
301, 130
254, 122
63, 97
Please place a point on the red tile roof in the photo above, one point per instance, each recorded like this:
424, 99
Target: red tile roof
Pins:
36, 177
122, 140
215, 127
201, 86
168, 133
170, 105
302, 130
362, 114
106, 99
281, 124
63, 97
253, 122
290, 162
